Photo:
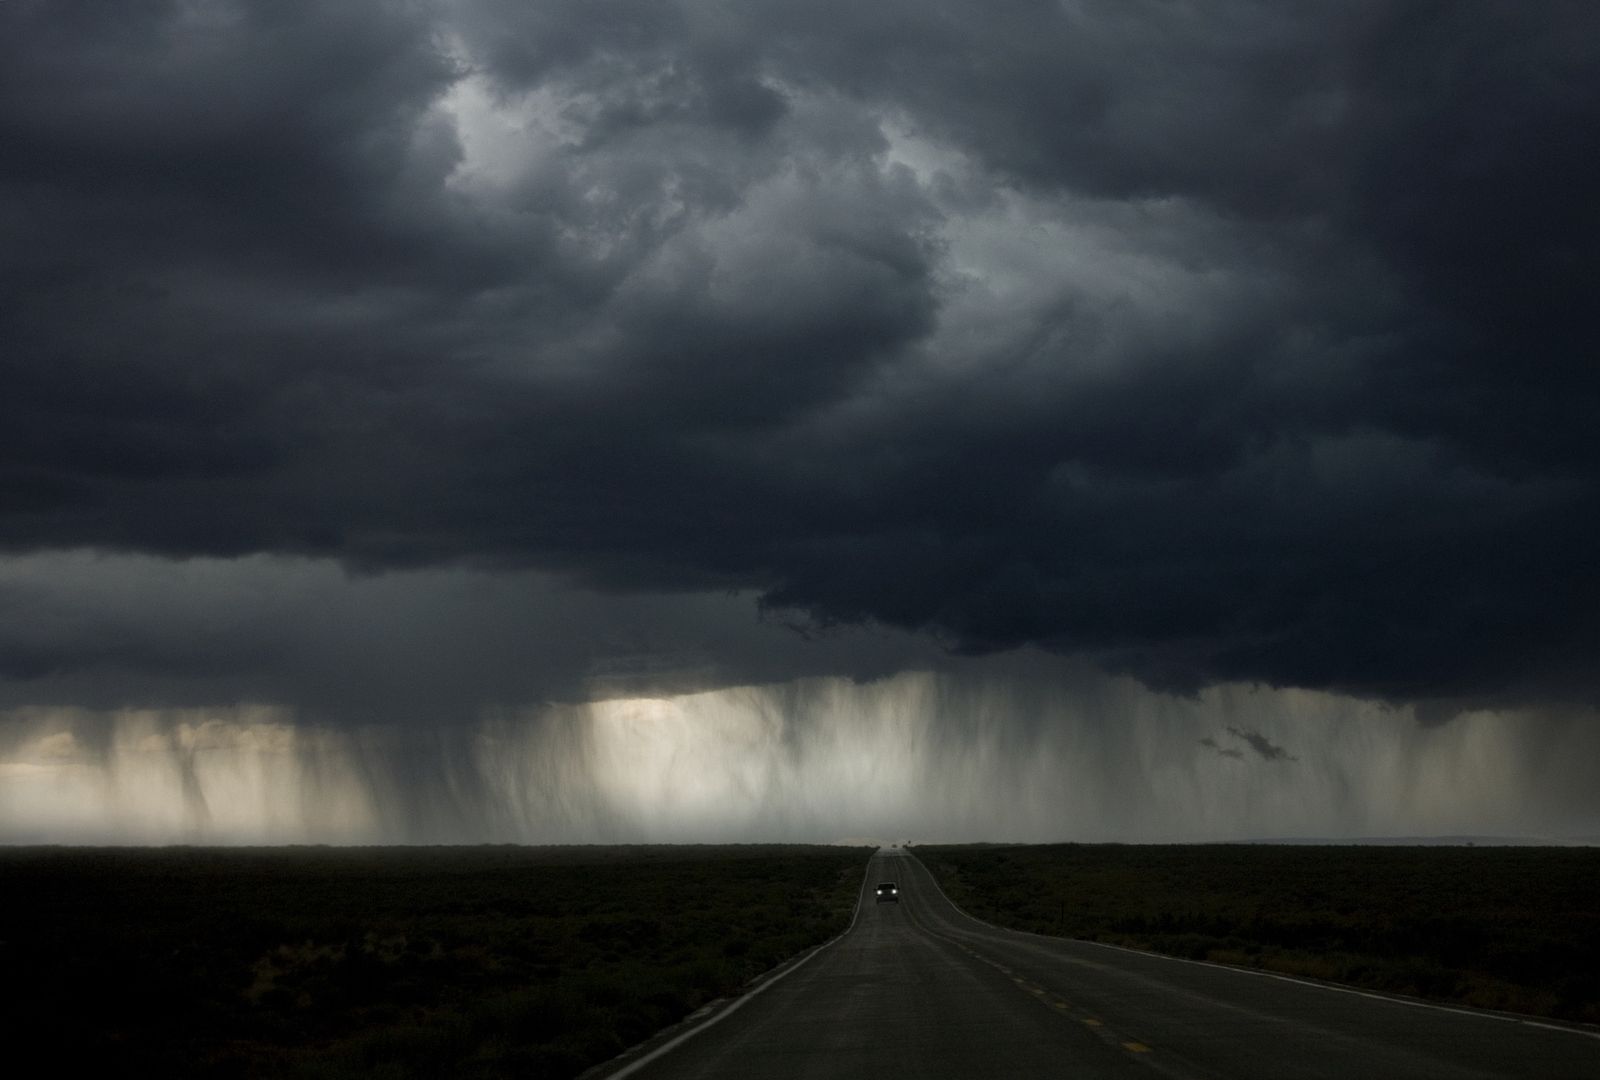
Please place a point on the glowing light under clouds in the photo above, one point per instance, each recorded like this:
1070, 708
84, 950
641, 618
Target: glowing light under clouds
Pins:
919, 756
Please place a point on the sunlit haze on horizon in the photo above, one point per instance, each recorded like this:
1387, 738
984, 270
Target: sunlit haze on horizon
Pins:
915, 756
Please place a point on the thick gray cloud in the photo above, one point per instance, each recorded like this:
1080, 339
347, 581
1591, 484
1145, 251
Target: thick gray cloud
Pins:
1228, 342
438, 647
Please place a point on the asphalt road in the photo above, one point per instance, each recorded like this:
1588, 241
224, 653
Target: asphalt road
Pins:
920, 990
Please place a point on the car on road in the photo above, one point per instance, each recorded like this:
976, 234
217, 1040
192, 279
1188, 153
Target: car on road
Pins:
888, 890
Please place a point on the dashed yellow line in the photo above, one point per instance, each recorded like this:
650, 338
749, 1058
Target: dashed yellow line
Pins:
1057, 1003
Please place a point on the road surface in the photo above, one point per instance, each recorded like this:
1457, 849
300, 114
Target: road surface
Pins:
919, 990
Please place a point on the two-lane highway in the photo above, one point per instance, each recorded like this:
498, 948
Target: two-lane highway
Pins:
919, 989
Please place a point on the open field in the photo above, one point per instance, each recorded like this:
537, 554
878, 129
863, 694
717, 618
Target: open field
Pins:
1512, 928
392, 962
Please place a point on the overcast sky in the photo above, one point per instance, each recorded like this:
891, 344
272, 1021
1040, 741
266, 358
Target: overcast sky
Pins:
382, 381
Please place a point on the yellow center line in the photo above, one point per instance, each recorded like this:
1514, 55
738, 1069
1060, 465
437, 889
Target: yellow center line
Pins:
1044, 995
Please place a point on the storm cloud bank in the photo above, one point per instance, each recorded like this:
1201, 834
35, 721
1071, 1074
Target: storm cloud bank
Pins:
1213, 343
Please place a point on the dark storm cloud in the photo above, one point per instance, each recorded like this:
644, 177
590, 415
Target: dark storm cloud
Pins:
1228, 342
436, 646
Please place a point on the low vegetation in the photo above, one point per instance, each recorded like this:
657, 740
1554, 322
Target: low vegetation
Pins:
1512, 928
397, 962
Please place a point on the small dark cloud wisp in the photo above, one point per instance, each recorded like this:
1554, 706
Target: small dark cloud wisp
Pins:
1223, 751
1264, 747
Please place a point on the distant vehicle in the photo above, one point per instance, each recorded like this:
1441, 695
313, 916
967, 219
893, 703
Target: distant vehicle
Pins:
888, 890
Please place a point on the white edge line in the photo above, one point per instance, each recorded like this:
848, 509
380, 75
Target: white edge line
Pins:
1484, 1014
739, 1002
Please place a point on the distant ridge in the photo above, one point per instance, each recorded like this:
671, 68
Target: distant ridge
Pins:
1433, 841
1452, 840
